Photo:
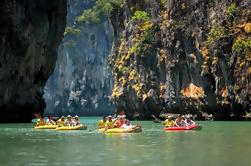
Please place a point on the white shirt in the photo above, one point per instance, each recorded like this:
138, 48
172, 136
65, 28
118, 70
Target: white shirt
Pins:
124, 126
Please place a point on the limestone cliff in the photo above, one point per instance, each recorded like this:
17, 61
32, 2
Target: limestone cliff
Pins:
82, 80
182, 56
31, 31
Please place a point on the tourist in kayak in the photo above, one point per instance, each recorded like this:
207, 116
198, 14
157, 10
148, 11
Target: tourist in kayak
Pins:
60, 121
179, 121
40, 121
188, 121
110, 123
102, 123
169, 122
50, 121
68, 121
75, 121
120, 121
128, 125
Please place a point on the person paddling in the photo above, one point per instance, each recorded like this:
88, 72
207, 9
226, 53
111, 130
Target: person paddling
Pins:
102, 123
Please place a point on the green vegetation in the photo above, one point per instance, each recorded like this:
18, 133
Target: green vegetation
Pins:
89, 15
124, 69
101, 8
215, 33
231, 8
242, 46
140, 15
133, 49
163, 2
74, 31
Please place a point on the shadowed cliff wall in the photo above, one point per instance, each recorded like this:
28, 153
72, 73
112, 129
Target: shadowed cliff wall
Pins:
30, 32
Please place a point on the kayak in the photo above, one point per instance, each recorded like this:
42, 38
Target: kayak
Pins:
119, 130
80, 127
192, 127
46, 127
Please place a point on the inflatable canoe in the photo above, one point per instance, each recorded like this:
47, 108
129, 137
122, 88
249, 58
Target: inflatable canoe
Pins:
46, 127
192, 127
119, 130
80, 127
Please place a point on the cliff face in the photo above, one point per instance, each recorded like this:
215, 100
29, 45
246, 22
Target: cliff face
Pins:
82, 81
182, 56
31, 31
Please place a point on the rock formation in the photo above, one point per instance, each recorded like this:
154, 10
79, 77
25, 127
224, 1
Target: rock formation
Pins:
182, 56
31, 31
82, 80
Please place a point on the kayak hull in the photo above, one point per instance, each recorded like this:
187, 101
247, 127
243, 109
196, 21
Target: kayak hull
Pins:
192, 127
72, 128
46, 127
119, 130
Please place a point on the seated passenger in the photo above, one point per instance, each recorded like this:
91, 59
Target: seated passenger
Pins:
40, 121
68, 121
102, 123
110, 123
189, 122
127, 125
169, 122
50, 121
120, 121
60, 121
75, 121
179, 121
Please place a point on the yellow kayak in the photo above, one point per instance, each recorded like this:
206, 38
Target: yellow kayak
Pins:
80, 127
119, 130
46, 127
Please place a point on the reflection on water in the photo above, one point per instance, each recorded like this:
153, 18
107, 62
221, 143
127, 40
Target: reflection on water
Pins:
218, 143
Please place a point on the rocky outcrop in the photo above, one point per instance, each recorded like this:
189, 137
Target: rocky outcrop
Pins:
82, 80
31, 31
182, 56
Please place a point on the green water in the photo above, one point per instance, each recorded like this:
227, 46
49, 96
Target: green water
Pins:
218, 143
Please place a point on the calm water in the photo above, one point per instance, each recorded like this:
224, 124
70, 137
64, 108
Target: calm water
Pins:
218, 143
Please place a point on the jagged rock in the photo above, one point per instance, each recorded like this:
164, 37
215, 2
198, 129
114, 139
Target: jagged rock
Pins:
186, 43
82, 80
